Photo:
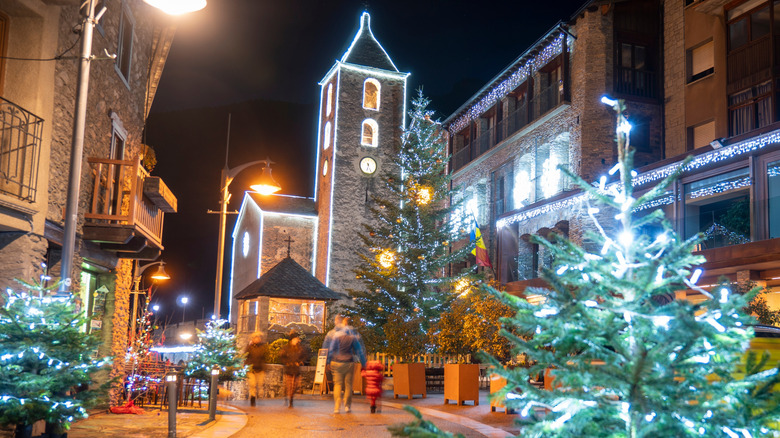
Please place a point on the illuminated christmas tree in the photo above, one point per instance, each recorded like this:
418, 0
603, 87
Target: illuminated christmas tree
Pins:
46, 358
621, 357
408, 248
216, 347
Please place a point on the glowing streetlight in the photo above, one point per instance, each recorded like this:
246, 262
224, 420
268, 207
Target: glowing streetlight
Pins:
177, 7
183, 301
266, 185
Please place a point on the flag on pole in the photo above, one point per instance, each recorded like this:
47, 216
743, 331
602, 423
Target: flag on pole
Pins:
480, 251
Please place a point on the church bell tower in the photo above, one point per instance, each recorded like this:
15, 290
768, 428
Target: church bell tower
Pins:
361, 118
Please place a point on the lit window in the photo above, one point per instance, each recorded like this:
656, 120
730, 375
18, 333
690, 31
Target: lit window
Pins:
370, 133
371, 94
326, 136
245, 244
325, 168
125, 45
719, 207
329, 105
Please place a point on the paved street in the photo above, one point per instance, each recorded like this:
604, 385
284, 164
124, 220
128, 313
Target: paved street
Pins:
312, 416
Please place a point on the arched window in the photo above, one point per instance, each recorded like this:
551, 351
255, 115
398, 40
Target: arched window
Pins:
370, 133
371, 94
329, 105
326, 136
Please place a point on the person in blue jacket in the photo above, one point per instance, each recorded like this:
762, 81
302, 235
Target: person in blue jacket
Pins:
345, 346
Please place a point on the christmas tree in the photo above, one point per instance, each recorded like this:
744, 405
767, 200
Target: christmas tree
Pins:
216, 347
46, 359
408, 246
621, 357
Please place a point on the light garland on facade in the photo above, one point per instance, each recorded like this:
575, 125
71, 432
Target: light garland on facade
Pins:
531, 65
721, 187
706, 159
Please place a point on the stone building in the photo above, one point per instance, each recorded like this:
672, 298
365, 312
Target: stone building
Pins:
121, 207
360, 121
543, 111
699, 79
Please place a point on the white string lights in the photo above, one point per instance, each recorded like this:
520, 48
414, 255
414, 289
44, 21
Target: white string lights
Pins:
531, 65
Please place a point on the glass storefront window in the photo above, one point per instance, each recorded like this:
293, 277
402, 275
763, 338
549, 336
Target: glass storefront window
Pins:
719, 207
773, 195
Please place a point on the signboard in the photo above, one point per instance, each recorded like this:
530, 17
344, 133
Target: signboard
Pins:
319, 373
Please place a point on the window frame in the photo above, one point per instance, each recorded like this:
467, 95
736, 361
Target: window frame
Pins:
378, 86
126, 19
375, 133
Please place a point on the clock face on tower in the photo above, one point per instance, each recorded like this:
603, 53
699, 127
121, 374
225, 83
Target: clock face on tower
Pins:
368, 165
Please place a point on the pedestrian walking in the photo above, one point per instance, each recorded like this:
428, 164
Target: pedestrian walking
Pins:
255, 358
345, 346
293, 356
374, 373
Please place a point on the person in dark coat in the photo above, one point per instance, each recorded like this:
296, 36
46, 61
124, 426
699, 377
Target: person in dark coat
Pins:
255, 358
293, 356
374, 373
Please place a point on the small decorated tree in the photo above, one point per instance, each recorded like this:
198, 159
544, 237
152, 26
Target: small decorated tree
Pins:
407, 251
216, 347
46, 359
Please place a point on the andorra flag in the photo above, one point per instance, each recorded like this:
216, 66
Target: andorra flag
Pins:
480, 251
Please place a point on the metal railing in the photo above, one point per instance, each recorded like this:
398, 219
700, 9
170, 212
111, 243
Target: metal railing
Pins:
633, 82
20, 149
118, 197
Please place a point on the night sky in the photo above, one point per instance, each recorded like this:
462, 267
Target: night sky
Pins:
260, 61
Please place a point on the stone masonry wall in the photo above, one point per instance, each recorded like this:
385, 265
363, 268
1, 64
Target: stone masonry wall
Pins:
674, 77
276, 230
21, 256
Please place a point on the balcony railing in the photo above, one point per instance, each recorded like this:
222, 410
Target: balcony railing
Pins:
118, 198
543, 101
20, 149
633, 82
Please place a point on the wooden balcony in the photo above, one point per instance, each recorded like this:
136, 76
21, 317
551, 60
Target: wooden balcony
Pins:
127, 209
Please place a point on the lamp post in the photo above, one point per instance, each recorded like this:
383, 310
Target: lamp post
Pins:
79, 126
160, 275
265, 186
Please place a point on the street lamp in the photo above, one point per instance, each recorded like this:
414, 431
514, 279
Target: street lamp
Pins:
79, 126
159, 275
265, 186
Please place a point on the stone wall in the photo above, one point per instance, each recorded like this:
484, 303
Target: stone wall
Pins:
674, 77
21, 255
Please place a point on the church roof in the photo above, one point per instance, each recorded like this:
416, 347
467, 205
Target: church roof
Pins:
288, 279
285, 204
365, 49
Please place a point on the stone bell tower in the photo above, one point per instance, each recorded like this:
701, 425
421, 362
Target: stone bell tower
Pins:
361, 117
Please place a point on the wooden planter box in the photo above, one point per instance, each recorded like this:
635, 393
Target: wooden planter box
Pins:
461, 383
497, 383
409, 379
357, 380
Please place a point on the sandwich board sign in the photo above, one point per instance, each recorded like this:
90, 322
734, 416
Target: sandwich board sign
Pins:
319, 373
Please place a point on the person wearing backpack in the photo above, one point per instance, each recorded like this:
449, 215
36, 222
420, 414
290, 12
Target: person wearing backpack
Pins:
345, 346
